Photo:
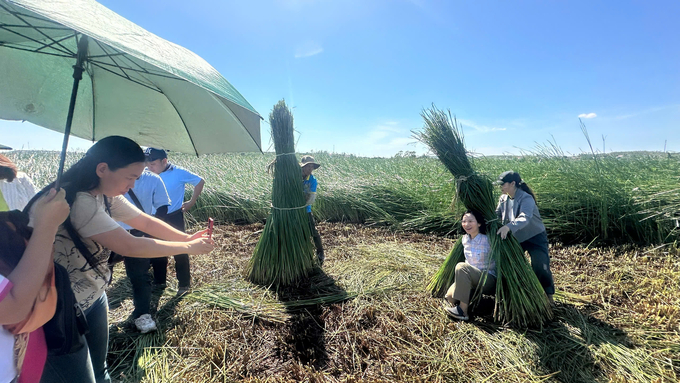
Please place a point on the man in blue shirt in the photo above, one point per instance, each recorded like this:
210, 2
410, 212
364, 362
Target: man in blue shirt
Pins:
309, 184
175, 179
150, 196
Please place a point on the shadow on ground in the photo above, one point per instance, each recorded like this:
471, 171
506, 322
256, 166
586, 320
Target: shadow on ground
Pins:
305, 339
571, 347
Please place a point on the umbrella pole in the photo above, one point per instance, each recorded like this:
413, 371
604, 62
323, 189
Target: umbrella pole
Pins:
77, 76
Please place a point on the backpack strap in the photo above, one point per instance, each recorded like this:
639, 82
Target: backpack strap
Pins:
135, 200
107, 205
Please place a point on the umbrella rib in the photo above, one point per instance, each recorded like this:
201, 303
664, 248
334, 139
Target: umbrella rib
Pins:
218, 99
50, 45
126, 56
183, 123
141, 71
33, 51
127, 78
32, 27
141, 68
107, 55
103, 48
37, 29
29, 16
67, 54
122, 69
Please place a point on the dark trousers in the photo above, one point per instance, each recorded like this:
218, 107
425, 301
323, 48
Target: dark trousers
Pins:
182, 267
137, 270
537, 247
316, 237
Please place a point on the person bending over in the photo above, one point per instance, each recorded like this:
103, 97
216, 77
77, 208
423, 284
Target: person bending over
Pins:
519, 214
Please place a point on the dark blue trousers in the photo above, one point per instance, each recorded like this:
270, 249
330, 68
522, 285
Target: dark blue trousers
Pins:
537, 247
137, 270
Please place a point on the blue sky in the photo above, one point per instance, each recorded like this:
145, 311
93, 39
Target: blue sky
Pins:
358, 72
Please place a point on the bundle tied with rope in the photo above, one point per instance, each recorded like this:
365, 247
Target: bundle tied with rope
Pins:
520, 299
284, 254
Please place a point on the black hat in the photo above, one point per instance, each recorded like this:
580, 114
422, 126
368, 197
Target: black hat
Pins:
153, 154
509, 176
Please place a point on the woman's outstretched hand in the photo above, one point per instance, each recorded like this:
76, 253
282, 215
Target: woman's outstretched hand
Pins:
200, 246
503, 231
199, 234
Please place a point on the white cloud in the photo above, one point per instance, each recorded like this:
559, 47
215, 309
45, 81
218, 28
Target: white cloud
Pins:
308, 49
587, 115
646, 111
385, 140
479, 128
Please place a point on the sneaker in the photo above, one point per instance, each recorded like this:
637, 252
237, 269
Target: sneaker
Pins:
182, 290
145, 324
446, 304
457, 313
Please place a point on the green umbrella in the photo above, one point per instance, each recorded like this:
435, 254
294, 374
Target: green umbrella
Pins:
120, 79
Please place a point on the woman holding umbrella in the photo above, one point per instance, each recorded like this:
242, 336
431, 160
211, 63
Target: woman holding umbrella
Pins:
94, 189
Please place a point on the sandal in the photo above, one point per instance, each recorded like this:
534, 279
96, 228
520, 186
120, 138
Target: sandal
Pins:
457, 312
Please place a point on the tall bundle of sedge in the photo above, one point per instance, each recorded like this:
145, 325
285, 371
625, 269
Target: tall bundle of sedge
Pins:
284, 254
520, 299
443, 279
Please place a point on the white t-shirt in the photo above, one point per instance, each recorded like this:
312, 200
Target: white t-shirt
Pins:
7, 370
89, 217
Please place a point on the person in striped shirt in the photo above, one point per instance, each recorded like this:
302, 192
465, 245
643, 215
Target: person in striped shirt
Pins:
478, 267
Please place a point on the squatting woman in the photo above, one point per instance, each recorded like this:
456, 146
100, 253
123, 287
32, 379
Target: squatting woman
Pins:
477, 268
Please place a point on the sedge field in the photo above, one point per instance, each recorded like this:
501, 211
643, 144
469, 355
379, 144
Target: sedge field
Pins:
387, 225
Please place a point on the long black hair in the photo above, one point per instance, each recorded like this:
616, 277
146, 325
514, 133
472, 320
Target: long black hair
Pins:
115, 151
511, 176
479, 217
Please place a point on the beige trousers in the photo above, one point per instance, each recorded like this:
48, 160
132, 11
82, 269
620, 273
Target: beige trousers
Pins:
466, 281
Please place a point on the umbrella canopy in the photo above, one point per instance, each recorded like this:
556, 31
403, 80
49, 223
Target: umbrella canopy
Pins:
4, 147
134, 83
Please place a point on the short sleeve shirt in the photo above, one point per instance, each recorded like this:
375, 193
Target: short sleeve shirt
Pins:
175, 178
7, 368
309, 185
477, 252
151, 193
89, 217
